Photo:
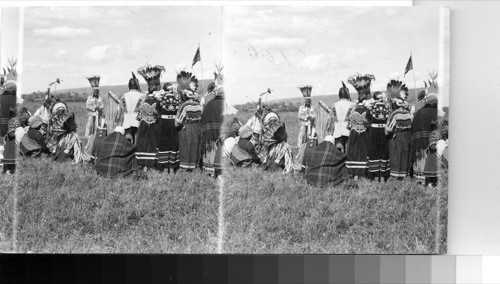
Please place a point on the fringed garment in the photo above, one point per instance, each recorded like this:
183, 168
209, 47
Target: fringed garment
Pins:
378, 149
211, 123
65, 142
359, 139
325, 164
399, 130
168, 136
113, 112
188, 119
421, 129
147, 136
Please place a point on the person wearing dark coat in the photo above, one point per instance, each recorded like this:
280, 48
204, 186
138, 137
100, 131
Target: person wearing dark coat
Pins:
326, 164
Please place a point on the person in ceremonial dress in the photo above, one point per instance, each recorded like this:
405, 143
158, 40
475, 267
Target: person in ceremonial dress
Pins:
306, 115
188, 121
379, 166
147, 136
130, 103
340, 110
168, 136
398, 130
359, 124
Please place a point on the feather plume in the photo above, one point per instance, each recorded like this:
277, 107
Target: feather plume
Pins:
94, 81
306, 90
151, 72
361, 83
186, 80
394, 88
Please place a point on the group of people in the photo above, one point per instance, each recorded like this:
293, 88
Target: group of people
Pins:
168, 128
377, 137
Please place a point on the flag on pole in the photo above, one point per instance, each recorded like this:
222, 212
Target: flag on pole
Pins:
409, 66
197, 57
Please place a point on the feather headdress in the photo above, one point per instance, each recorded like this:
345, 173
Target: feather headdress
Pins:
94, 81
152, 76
306, 91
394, 88
361, 83
10, 73
186, 83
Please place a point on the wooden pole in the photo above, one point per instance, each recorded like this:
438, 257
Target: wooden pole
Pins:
413, 71
201, 65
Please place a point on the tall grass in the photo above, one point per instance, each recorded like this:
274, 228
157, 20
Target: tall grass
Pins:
67, 208
276, 213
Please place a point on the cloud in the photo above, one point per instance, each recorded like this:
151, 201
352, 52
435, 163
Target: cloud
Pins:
319, 62
103, 53
60, 53
62, 33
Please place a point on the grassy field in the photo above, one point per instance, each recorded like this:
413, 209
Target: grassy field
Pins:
67, 208
277, 213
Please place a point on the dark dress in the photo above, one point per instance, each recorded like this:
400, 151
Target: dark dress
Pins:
147, 135
378, 149
188, 121
399, 131
168, 136
211, 122
7, 102
421, 129
359, 139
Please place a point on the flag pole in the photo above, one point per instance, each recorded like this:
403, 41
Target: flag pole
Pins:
413, 71
201, 65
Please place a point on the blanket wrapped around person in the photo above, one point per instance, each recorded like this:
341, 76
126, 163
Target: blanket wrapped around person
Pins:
274, 151
115, 156
325, 164
65, 143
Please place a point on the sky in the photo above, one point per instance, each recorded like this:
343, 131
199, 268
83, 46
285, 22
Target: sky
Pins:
283, 47
9, 34
72, 43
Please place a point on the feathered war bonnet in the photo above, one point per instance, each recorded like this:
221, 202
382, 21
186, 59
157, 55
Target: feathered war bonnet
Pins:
394, 88
362, 84
187, 85
344, 92
152, 76
133, 83
94, 83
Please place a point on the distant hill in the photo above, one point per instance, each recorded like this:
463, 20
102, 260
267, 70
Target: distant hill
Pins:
332, 98
120, 89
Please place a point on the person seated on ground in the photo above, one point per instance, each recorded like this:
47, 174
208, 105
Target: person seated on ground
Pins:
326, 164
65, 143
11, 149
23, 128
274, 151
33, 143
231, 139
116, 156
243, 153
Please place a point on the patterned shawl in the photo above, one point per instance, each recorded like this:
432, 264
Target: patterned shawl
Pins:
325, 164
115, 156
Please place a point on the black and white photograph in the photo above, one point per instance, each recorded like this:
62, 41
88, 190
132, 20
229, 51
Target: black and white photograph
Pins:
248, 129
111, 147
339, 143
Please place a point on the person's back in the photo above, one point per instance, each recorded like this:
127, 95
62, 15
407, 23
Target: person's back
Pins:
325, 164
115, 156
131, 100
341, 109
